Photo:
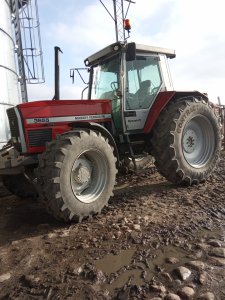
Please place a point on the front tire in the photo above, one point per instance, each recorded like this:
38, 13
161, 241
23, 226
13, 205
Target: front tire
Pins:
77, 175
19, 185
186, 141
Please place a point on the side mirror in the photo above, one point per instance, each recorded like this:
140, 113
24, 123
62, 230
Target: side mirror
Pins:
131, 52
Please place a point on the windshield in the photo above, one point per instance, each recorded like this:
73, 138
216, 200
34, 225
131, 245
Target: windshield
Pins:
105, 79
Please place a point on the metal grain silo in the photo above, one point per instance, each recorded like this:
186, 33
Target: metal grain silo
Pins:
9, 90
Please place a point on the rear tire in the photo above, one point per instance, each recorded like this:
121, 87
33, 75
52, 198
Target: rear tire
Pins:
76, 175
186, 141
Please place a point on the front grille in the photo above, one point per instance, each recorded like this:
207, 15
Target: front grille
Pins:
14, 128
38, 138
13, 122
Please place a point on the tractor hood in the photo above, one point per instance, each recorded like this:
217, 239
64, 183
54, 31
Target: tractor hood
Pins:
60, 111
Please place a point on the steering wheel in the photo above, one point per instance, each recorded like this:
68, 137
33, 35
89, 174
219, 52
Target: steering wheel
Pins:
154, 90
114, 85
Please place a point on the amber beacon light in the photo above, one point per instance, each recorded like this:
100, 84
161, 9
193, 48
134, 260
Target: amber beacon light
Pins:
127, 25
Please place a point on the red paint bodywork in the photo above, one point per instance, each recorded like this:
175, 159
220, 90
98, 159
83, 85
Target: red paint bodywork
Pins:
66, 108
162, 99
60, 108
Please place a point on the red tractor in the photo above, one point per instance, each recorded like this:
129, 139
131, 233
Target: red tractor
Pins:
69, 151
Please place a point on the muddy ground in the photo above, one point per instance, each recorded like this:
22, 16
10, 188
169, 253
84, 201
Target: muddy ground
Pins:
154, 241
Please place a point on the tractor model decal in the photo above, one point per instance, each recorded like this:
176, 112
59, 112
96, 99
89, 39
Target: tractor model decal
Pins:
67, 119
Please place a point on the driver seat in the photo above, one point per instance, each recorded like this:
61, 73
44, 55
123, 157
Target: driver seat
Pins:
143, 93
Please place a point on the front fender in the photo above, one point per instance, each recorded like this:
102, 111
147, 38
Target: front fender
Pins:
103, 130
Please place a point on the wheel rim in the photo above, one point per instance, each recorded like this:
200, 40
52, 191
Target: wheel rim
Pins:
89, 176
198, 141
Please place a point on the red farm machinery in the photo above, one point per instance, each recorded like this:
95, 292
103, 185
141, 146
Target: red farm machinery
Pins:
69, 152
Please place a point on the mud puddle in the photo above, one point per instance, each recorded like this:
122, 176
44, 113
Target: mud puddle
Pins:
112, 263
138, 267
181, 264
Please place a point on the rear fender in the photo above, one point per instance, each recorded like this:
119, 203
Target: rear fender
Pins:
162, 100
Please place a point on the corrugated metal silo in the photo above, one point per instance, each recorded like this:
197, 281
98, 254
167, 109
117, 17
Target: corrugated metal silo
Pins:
9, 90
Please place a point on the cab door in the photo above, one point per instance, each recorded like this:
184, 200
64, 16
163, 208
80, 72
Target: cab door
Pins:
143, 83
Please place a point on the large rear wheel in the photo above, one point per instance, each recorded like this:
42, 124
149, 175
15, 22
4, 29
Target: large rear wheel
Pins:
187, 141
76, 175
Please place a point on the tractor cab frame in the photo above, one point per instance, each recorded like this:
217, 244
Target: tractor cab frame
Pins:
131, 75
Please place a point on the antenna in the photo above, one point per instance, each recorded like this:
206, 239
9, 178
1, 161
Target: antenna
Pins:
122, 24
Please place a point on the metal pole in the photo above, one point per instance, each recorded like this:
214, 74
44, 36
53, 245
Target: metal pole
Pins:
119, 20
115, 20
17, 6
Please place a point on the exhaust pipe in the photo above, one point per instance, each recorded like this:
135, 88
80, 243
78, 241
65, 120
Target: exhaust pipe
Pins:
57, 74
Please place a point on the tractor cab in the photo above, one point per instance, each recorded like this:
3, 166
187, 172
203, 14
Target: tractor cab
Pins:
132, 76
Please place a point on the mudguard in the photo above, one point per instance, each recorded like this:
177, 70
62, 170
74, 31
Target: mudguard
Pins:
162, 100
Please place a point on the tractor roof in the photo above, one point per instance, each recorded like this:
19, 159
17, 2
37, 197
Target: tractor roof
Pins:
116, 47
170, 53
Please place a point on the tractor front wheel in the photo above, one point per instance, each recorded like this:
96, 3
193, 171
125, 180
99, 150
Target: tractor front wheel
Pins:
76, 175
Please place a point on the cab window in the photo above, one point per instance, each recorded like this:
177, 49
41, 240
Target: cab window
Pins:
143, 82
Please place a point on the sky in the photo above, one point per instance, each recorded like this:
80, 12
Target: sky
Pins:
194, 28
